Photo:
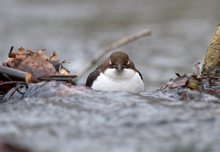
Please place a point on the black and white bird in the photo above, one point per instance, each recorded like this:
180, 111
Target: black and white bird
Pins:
117, 73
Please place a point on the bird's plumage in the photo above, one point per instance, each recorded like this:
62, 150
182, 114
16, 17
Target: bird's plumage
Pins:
117, 73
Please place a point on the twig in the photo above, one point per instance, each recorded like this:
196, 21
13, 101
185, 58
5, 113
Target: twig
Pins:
11, 54
11, 49
113, 46
198, 71
66, 78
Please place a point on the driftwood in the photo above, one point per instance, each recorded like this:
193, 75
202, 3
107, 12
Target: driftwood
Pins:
113, 46
15, 75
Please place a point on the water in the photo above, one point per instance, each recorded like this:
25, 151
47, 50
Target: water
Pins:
77, 119
55, 117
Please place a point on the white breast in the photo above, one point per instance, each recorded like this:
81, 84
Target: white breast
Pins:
111, 80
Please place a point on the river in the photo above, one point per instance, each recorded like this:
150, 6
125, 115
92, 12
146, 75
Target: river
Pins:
91, 121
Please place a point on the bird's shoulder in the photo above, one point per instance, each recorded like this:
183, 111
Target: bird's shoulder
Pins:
139, 74
92, 77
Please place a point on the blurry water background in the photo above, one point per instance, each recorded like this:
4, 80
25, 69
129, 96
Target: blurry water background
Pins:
76, 30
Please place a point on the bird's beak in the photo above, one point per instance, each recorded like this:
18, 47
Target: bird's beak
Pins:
119, 68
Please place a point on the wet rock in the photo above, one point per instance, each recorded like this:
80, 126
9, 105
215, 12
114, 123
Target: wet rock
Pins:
211, 66
44, 89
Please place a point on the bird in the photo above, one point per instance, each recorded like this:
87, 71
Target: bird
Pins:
117, 73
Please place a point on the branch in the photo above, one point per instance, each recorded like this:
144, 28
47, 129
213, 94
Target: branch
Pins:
14, 75
66, 78
113, 46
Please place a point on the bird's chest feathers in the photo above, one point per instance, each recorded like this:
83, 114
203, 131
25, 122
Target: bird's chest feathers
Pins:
113, 75
111, 80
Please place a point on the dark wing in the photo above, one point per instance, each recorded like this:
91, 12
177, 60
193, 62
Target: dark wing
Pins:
139, 74
92, 77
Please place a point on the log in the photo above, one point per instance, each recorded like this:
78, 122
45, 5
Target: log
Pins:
14, 75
